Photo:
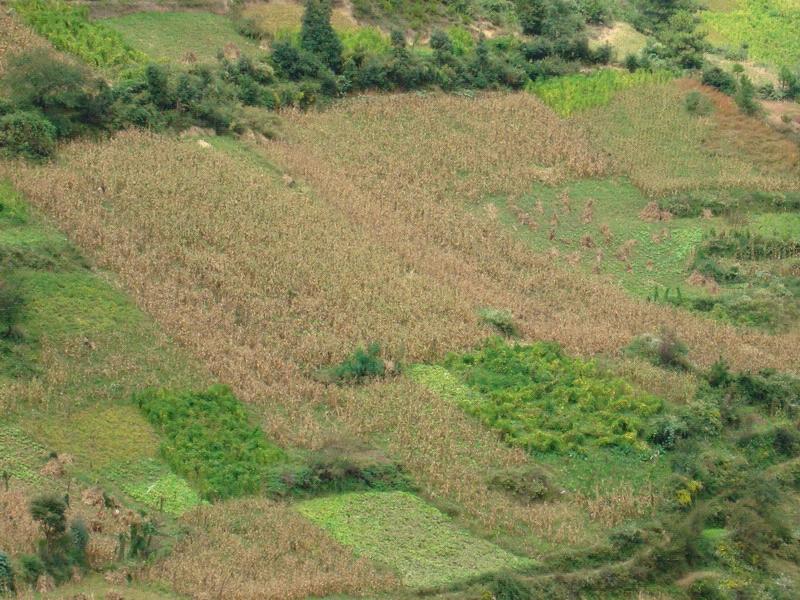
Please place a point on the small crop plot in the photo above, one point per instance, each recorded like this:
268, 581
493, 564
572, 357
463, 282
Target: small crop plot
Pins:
538, 398
573, 93
277, 18
20, 456
150, 482
413, 538
100, 436
174, 36
69, 29
210, 441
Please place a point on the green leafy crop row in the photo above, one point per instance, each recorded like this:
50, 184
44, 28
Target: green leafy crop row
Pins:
69, 29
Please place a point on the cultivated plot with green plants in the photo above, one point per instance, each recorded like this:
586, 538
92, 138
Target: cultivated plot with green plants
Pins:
413, 538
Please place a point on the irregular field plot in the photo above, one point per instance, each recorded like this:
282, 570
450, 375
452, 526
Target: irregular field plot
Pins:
417, 541
590, 222
573, 93
171, 36
652, 139
255, 548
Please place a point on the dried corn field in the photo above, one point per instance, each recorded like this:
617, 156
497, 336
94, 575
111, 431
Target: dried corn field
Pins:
265, 281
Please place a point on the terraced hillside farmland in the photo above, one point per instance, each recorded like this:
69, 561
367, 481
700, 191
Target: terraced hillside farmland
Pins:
443, 307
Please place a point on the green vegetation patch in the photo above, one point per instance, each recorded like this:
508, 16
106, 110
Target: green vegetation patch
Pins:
413, 538
767, 29
209, 440
572, 93
150, 482
172, 35
68, 28
540, 399
20, 456
99, 436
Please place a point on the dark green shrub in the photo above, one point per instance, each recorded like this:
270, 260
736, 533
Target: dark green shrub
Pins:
667, 430
158, 86
31, 567
79, 540
717, 78
11, 303
706, 588
210, 441
49, 511
746, 97
317, 35
6, 575
506, 587
527, 483
361, 365
292, 62
27, 134
697, 104
65, 93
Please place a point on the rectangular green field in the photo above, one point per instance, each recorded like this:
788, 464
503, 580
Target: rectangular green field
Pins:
171, 36
413, 538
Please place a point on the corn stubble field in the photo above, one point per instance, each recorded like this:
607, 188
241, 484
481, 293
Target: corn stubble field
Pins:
399, 219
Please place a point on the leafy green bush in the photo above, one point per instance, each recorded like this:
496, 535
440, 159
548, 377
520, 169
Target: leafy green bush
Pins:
6, 575
210, 441
61, 549
68, 28
746, 97
32, 568
361, 365
720, 79
542, 400
27, 134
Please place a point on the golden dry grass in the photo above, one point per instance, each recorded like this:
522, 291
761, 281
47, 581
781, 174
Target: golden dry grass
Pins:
257, 549
651, 138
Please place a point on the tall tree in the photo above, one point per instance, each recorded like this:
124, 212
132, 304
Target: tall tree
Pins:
317, 35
